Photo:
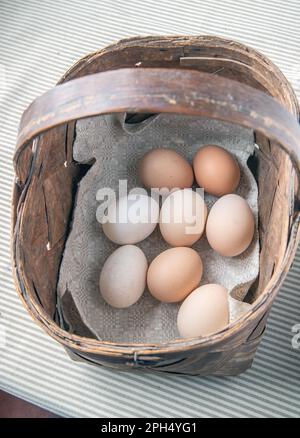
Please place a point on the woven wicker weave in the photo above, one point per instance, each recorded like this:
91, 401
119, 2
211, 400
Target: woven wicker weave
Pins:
200, 76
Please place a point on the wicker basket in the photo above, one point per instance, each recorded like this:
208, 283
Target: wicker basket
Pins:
200, 76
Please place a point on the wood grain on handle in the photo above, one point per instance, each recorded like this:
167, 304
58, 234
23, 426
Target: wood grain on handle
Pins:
162, 90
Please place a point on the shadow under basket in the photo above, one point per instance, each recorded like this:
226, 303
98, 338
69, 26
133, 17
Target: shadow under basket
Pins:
198, 76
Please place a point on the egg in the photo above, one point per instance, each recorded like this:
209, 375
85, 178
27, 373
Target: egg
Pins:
230, 225
204, 312
123, 276
216, 170
165, 168
131, 219
182, 217
174, 273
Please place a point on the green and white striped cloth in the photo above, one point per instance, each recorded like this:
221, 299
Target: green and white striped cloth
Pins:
39, 40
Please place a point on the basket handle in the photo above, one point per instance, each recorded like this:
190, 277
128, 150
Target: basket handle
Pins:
162, 90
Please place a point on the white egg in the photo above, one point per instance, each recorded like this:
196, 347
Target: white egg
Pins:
131, 219
123, 276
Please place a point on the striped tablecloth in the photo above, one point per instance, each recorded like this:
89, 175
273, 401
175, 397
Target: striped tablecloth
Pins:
39, 40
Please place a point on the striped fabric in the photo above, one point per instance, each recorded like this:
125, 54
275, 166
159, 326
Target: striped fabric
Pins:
38, 42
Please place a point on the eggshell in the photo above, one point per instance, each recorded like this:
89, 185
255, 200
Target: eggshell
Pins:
230, 225
162, 168
204, 312
131, 219
216, 170
182, 217
123, 276
174, 273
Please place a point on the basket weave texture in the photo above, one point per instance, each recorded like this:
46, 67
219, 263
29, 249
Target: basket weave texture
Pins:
198, 76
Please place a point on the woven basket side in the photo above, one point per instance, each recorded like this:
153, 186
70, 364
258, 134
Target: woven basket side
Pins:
44, 194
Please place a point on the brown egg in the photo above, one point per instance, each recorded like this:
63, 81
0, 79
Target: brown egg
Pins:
182, 217
204, 312
216, 170
230, 225
165, 168
174, 273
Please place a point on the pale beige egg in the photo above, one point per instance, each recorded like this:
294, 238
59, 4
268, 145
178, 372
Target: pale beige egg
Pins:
165, 168
174, 273
123, 276
204, 312
216, 170
230, 225
182, 217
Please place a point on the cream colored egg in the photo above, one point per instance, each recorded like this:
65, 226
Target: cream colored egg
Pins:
230, 225
161, 168
216, 170
182, 217
131, 219
174, 273
204, 312
123, 276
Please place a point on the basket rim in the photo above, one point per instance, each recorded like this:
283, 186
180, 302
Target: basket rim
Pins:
260, 306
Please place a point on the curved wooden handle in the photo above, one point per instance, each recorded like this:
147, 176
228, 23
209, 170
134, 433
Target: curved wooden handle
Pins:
161, 90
